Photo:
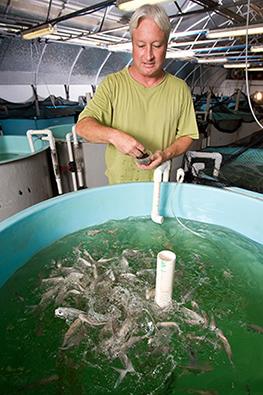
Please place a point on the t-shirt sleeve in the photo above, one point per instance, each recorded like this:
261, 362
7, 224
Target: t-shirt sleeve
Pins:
187, 125
100, 106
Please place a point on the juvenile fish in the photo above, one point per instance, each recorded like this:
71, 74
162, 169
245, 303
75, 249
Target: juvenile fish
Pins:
74, 335
68, 313
169, 324
255, 328
128, 368
202, 392
222, 338
193, 318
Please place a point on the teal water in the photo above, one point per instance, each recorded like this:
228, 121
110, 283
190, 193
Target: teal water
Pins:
218, 276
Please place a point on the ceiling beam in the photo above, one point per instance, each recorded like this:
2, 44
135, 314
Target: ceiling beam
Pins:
190, 13
219, 9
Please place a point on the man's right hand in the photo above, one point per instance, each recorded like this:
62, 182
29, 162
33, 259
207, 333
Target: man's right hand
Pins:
127, 144
94, 132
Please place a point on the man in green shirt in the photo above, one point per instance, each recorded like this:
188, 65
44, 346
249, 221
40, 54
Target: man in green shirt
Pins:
141, 108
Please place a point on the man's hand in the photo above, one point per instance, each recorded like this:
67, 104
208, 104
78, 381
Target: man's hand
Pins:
127, 144
179, 147
94, 132
155, 160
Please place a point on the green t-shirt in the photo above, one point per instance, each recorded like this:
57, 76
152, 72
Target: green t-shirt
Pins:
155, 116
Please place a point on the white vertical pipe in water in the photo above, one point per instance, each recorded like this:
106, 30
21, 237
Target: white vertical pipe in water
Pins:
164, 278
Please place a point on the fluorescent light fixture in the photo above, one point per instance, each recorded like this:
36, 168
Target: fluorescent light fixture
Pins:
82, 42
187, 33
121, 47
37, 32
235, 31
256, 48
236, 65
212, 60
196, 42
256, 69
131, 5
184, 54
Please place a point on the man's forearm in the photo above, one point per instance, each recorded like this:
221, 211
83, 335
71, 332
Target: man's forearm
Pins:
179, 147
94, 132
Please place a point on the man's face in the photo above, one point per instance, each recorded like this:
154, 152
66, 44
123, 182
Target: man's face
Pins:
149, 48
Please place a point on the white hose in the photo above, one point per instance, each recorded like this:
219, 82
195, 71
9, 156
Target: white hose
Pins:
246, 70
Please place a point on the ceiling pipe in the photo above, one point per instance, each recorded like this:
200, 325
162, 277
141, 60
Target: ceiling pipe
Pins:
101, 67
73, 65
81, 12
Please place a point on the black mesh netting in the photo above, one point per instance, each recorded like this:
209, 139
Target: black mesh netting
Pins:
242, 165
48, 108
223, 115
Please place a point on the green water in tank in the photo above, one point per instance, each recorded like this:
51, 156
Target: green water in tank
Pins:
209, 341
8, 156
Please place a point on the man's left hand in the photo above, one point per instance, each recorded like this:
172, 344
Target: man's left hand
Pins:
156, 160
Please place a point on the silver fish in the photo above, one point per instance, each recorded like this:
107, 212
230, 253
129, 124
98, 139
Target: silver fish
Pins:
68, 313
74, 335
169, 324
193, 318
255, 328
220, 335
128, 368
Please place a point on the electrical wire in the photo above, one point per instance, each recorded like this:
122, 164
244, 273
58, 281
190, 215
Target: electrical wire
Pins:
246, 69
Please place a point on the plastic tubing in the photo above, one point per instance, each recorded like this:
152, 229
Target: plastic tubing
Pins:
48, 136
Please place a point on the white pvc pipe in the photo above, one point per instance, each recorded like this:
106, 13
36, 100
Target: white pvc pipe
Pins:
216, 156
160, 174
77, 158
164, 278
47, 136
71, 160
197, 167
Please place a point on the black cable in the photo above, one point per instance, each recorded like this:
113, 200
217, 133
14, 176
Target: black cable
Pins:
48, 11
102, 21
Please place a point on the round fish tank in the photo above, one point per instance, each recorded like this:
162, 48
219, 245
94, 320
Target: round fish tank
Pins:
89, 158
24, 176
189, 348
